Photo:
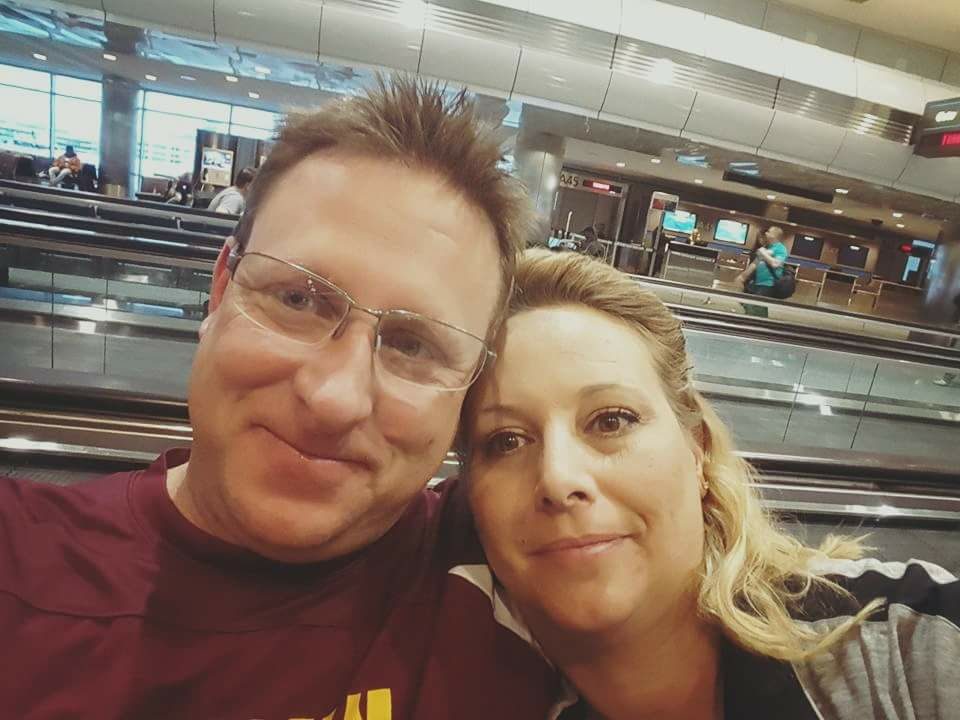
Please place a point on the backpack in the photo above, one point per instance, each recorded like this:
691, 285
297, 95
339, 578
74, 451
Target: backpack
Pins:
786, 284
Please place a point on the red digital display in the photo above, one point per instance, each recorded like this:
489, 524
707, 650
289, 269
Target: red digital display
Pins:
605, 186
906, 248
950, 139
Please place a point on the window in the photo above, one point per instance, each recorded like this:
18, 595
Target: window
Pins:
40, 113
168, 130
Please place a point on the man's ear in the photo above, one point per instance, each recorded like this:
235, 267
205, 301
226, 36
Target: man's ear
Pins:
221, 275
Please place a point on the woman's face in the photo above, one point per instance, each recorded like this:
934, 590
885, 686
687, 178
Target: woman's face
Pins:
585, 488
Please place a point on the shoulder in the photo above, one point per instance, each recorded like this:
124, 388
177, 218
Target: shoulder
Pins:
54, 527
780, 250
894, 663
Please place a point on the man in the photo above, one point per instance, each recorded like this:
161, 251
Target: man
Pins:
231, 200
591, 245
64, 166
767, 266
291, 563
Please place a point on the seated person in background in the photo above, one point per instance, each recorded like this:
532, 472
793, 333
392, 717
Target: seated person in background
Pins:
767, 267
231, 200
628, 535
181, 192
591, 245
292, 563
64, 166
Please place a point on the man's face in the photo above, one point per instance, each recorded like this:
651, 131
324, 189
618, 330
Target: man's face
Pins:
308, 452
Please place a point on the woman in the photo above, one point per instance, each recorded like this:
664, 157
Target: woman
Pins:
623, 527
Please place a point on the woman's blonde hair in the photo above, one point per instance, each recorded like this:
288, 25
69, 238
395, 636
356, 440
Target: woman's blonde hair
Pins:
753, 573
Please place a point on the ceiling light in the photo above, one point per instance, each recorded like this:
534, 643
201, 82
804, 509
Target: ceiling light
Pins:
110, 56
841, 191
733, 212
771, 197
656, 161
853, 237
39, 56
901, 226
621, 164
261, 69
838, 212
854, 247
189, 78
698, 181
231, 78
253, 95
898, 215
149, 77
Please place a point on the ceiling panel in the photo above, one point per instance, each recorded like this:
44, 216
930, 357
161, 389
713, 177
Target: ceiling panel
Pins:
561, 79
476, 62
802, 140
191, 17
731, 121
370, 39
290, 24
661, 105
870, 157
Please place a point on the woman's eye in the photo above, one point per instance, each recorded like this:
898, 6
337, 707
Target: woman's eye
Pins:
613, 422
504, 443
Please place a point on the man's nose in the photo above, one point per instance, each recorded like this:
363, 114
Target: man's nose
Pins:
336, 379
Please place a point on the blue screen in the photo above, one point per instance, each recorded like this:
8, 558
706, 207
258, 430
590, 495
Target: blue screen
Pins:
731, 231
679, 221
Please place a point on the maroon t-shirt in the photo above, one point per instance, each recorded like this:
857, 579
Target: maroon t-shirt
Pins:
112, 605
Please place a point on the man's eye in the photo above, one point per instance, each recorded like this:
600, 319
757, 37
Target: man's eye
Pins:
295, 299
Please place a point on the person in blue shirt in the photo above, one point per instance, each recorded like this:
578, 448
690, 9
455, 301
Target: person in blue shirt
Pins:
767, 266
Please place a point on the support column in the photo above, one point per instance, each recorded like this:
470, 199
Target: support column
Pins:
118, 136
538, 157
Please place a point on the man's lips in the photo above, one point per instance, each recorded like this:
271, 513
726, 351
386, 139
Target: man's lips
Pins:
356, 460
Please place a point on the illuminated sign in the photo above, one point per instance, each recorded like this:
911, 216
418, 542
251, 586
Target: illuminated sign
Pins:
573, 181
938, 133
596, 185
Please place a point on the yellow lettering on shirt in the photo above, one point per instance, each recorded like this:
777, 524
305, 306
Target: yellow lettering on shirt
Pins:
379, 707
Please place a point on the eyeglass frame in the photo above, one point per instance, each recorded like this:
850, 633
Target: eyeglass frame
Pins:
237, 253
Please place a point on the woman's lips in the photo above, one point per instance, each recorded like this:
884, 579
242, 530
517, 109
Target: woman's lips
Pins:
582, 545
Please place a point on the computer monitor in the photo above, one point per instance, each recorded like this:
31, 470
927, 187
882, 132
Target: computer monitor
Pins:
679, 221
807, 246
731, 231
852, 256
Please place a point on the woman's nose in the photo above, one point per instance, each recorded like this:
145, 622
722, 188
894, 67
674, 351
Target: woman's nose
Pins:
565, 480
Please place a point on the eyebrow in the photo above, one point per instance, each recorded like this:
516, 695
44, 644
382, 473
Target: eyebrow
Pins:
586, 391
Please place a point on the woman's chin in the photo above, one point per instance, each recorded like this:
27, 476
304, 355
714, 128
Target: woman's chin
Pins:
597, 615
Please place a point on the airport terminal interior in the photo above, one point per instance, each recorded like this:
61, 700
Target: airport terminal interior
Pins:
665, 137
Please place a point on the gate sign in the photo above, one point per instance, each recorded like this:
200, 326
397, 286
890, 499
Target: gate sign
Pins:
938, 134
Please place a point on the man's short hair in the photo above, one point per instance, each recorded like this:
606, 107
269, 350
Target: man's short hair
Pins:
245, 177
419, 124
775, 232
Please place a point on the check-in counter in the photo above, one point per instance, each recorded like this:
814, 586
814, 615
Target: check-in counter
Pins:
865, 294
837, 288
729, 266
691, 264
631, 258
899, 302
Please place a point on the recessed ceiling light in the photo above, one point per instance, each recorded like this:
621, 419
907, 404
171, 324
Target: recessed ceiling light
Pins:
841, 191
262, 69
149, 77
771, 197
853, 237
231, 78
901, 226
189, 78
698, 181
621, 164
110, 56
898, 215
733, 212
253, 95
656, 161
39, 56
838, 212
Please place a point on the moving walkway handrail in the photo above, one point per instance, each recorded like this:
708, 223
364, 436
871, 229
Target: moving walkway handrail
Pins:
754, 299
15, 187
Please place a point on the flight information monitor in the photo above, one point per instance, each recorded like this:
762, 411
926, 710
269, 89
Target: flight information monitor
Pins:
679, 221
731, 231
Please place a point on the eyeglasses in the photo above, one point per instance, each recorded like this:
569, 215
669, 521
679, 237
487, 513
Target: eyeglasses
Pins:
291, 301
